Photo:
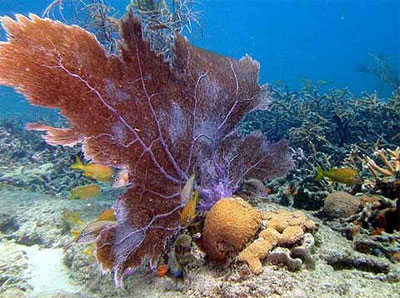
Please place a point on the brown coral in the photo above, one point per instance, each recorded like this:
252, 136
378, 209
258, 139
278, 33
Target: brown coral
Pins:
229, 226
284, 228
340, 204
281, 219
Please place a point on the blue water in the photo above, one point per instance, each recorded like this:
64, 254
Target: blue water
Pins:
292, 39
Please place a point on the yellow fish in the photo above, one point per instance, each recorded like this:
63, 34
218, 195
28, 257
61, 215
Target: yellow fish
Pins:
189, 213
75, 233
89, 251
72, 217
90, 232
85, 192
94, 171
106, 215
340, 175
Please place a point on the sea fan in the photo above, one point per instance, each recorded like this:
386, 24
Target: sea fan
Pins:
160, 121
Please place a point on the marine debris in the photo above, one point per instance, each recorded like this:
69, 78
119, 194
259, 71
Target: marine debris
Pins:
188, 113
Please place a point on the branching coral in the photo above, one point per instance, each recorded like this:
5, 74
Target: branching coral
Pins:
383, 69
328, 127
392, 164
136, 111
93, 15
374, 227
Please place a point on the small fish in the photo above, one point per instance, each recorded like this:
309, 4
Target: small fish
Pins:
187, 189
122, 178
88, 251
85, 192
75, 234
321, 83
174, 268
92, 230
72, 217
107, 215
162, 270
94, 171
189, 213
340, 175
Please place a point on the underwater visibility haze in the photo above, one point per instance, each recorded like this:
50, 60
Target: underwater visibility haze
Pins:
200, 148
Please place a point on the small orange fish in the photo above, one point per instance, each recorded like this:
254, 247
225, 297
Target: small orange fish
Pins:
378, 231
85, 192
94, 171
162, 270
189, 213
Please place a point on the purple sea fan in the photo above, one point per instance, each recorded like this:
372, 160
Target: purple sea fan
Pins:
135, 111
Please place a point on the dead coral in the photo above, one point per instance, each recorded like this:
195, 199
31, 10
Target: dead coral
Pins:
229, 226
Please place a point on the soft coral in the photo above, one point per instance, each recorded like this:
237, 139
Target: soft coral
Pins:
138, 112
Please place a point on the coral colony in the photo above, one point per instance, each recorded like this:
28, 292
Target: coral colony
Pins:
160, 120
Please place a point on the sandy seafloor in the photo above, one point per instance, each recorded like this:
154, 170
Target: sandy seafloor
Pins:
33, 262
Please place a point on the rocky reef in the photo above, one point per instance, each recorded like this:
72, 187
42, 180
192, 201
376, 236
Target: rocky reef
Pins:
195, 136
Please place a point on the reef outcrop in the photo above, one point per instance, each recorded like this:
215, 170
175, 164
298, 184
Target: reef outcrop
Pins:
232, 223
136, 111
